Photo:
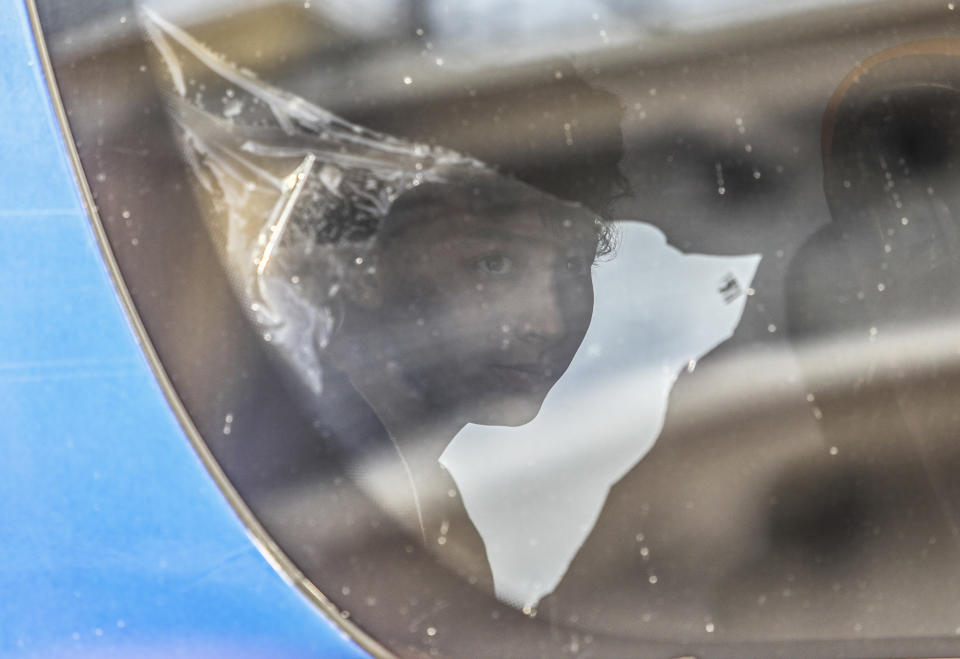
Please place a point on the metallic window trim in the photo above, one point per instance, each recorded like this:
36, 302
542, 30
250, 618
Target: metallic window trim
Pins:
256, 532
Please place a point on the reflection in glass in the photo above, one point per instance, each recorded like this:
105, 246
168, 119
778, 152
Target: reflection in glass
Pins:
417, 295
535, 492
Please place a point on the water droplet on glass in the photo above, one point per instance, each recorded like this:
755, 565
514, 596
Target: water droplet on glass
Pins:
233, 108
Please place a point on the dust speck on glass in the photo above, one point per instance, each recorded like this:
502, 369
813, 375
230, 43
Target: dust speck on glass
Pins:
618, 329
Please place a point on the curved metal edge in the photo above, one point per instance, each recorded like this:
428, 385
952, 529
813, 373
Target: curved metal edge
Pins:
274, 555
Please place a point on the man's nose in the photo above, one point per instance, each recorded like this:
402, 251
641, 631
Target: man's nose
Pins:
543, 319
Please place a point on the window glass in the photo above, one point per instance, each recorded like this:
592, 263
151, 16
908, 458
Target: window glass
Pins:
603, 329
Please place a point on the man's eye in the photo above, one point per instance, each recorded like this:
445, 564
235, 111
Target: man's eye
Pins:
496, 264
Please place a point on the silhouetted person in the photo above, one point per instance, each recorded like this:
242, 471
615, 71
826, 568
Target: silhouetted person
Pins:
866, 534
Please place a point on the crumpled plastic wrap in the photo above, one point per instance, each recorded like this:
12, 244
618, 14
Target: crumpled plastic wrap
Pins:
297, 192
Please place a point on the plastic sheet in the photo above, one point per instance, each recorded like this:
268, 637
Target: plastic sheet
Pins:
298, 193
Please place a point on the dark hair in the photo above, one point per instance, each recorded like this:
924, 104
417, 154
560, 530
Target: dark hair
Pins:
482, 192
542, 124
891, 147
891, 123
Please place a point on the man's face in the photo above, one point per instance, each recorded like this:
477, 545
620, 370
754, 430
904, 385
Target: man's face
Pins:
482, 312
